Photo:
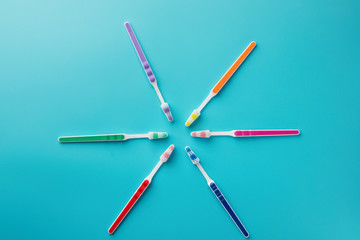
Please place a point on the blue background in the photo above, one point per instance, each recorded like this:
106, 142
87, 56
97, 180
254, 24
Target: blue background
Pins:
69, 68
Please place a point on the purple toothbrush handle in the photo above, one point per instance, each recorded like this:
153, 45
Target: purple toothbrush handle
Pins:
140, 53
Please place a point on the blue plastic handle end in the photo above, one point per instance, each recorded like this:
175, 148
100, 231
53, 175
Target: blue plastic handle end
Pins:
228, 208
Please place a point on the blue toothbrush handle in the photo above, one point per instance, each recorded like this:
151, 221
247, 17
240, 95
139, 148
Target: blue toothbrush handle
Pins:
228, 208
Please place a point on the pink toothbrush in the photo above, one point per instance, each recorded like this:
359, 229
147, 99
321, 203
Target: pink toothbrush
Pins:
246, 133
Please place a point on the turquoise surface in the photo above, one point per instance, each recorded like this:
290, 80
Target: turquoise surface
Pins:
69, 68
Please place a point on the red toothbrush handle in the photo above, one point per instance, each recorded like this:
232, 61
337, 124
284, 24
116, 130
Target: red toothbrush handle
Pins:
129, 205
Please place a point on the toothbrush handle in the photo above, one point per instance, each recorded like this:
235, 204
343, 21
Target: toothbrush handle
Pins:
228, 208
129, 205
258, 133
140, 53
93, 138
233, 68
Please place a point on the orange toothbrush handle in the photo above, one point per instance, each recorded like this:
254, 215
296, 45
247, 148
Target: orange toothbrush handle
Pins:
233, 68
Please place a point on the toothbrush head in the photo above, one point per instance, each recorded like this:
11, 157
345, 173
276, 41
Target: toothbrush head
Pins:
166, 110
165, 156
194, 115
157, 135
192, 156
202, 134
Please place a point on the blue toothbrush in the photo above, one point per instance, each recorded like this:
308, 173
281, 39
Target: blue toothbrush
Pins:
196, 161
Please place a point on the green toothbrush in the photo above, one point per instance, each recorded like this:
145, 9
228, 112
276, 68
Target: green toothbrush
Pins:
111, 137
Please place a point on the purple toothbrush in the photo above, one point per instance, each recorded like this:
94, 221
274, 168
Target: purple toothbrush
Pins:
164, 106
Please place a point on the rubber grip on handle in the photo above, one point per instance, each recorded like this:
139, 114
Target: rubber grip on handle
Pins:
233, 68
93, 138
228, 208
140, 53
128, 206
257, 133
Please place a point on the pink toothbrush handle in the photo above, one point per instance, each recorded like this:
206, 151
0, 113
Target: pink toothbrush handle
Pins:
129, 205
258, 133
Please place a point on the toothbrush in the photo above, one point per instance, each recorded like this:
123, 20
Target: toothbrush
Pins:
164, 106
111, 137
164, 157
196, 161
196, 113
246, 133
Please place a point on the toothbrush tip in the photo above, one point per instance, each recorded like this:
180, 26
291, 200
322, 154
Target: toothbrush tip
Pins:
194, 115
202, 134
194, 159
166, 109
165, 156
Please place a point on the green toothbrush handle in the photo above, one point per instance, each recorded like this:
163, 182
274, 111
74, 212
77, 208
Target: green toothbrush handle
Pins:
93, 138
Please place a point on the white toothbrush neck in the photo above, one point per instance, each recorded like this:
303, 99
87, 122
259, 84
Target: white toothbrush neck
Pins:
208, 179
156, 168
230, 133
207, 99
158, 92
130, 136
